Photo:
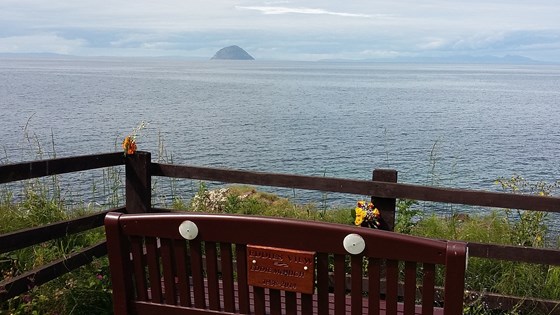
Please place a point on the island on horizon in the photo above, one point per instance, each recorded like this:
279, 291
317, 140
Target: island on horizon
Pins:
232, 53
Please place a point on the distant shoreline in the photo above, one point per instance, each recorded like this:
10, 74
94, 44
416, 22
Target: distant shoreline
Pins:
505, 60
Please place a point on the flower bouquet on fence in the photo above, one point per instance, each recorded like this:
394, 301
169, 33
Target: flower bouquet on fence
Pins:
366, 215
129, 142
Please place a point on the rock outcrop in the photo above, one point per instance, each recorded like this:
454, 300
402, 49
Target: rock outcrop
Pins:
232, 53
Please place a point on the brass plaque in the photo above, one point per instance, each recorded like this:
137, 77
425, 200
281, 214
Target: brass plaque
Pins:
281, 269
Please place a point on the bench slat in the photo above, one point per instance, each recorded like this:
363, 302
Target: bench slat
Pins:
138, 263
322, 282
153, 269
374, 274
183, 279
291, 303
227, 276
409, 287
392, 278
275, 302
339, 284
241, 257
259, 300
356, 276
306, 304
197, 274
168, 271
428, 285
212, 275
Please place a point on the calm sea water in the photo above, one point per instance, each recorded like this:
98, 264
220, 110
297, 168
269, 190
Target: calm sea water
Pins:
448, 125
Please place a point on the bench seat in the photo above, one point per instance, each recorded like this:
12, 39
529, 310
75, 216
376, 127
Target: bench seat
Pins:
151, 308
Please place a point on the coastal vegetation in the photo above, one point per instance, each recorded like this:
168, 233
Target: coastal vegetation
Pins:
88, 289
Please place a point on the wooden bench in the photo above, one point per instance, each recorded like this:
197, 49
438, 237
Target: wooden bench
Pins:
224, 264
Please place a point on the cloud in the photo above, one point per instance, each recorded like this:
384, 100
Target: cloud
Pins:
513, 40
286, 10
282, 29
46, 42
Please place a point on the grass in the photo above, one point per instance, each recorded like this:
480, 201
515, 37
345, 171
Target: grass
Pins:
84, 291
484, 275
87, 290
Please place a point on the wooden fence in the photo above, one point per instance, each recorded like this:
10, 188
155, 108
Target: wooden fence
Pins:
383, 188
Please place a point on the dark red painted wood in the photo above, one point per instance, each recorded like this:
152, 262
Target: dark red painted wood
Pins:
363, 188
243, 287
409, 287
374, 289
215, 229
546, 256
455, 260
428, 284
118, 251
139, 264
28, 280
386, 206
36, 235
168, 270
197, 274
154, 275
35, 169
259, 300
376, 188
138, 183
242, 230
306, 304
322, 283
212, 276
339, 284
291, 303
275, 302
183, 283
227, 276
356, 276
392, 269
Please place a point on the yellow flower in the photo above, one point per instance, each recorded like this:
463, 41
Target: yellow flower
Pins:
129, 145
360, 215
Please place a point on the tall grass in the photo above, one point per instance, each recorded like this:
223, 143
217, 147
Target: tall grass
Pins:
72, 293
39, 202
87, 290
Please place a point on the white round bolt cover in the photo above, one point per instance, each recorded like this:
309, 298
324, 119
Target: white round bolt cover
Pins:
188, 230
354, 244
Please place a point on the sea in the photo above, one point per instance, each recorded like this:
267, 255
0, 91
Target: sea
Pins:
448, 125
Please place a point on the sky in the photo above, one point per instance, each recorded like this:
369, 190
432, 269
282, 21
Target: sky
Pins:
285, 30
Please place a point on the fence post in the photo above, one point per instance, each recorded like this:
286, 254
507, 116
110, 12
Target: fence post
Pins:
138, 183
386, 206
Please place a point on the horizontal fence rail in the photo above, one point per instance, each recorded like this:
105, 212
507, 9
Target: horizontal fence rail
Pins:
391, 190
139, 171
32, 236
16, 240
35, 169
363, 187
25, 282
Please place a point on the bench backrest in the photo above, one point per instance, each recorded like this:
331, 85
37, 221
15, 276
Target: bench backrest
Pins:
203, 269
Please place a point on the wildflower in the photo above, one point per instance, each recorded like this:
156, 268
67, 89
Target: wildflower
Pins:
367, 216
129, 142
360, 215
129, 145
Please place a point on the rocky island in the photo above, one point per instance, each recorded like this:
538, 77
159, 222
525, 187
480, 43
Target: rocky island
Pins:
232, 53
